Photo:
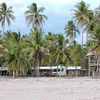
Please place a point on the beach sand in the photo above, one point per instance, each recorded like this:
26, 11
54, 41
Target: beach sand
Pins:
49, 89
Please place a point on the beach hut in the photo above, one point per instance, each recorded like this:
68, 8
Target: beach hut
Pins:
94, 63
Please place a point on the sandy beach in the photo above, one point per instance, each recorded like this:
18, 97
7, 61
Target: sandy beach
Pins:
49, 89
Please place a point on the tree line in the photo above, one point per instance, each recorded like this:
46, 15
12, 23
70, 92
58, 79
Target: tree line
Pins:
21, 53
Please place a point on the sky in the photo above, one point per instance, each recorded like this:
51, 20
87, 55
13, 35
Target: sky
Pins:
59, 12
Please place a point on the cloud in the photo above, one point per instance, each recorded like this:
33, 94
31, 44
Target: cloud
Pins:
57, 11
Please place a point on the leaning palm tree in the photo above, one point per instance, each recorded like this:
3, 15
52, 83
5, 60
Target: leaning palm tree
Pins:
71, 30
35, 16
6, 15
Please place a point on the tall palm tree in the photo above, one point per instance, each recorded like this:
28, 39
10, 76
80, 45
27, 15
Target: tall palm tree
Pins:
93, 20
35, 47
95, 46
61, 54
71, 30
98, 10
35, 16
81, 13
95, 36
97, 14
6, 15
75, 50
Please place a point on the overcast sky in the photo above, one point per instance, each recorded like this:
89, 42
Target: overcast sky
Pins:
57, 11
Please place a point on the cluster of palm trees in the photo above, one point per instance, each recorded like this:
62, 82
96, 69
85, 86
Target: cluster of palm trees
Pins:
22, 53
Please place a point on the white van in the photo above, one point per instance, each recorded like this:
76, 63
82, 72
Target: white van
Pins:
54, 70
59, 70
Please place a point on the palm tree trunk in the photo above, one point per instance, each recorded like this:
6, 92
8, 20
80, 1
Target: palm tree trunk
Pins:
37, 74
14, 73
82, 37
89, 59
3, 31
1, 70
97, 66
87, 37
82, 47
76, 71
36, 70
57, 71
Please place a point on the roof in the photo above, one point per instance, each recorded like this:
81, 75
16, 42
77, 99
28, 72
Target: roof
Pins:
50, 67
93, 52
74, 67
3, 68
89, 54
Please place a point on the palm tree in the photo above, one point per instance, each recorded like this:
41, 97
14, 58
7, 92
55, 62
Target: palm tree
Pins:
81, 15
16, 59
95, 36
35, 47
60, 55
93, 21
71, 30
75, 50
90, 23
2, 59
35, 16
97, 14
98, 10
95, 45
6, 15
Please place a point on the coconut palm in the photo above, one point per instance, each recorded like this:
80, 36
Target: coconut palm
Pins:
16, 59
97, 14
61, 54
81, 15
71, 30
90, 25
75, 50
35, 16
98, 10
93, 20
2, 52
35, 47
6, 15
95, 36
50, 43
95, 46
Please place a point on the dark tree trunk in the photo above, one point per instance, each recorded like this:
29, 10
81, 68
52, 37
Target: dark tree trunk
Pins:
36, 69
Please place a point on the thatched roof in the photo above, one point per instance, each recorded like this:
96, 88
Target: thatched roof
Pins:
93, 53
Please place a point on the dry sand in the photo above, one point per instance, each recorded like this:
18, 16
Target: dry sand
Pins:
49, 89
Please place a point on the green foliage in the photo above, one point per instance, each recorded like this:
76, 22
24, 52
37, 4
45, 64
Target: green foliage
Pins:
71, 30
16, 59
20, 53
6, 14
34, 15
